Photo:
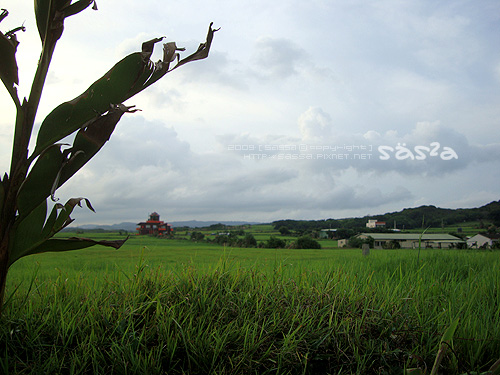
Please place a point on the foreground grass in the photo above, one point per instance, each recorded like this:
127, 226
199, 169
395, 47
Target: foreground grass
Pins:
256, 313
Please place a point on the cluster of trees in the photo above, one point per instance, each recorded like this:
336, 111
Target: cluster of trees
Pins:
358, 242
241, 239
305, 225
303, 242
229, 239
435, 217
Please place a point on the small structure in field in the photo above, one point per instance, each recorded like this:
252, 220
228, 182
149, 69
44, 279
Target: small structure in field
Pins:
483, 240
327, 234
154, 226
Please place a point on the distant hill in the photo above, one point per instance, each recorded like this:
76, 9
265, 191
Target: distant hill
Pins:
131, 227
200, 224
408, 218
128, 226
436, 217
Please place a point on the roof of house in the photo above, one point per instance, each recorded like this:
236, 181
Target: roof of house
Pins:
493, 236
442, 237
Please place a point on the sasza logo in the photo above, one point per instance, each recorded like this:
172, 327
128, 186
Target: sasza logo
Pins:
401, 152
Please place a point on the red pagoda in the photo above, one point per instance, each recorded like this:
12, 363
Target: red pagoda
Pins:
154, 226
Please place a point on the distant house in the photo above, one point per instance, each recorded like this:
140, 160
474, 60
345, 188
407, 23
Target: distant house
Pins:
375, 224
343, 243
411, 240
327, 233
154, 226
482, 240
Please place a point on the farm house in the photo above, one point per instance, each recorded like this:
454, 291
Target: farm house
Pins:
375, 224
483, 240
411, 240
154, 226
327, 233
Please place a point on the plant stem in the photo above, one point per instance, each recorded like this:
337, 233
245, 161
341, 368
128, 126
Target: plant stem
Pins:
25, 119
27, 113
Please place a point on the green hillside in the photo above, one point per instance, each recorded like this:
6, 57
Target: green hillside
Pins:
409, 218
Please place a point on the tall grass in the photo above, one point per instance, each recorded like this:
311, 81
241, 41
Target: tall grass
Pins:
257, 313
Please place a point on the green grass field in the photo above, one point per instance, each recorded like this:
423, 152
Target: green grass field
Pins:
173, 306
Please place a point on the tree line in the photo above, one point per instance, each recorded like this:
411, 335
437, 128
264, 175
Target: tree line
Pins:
240, 239
408, 218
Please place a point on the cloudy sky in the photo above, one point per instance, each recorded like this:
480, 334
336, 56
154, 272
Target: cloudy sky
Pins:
303, 110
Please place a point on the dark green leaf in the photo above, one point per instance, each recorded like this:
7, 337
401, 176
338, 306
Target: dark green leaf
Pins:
41, 180
49, 228
203, 49
31, 232
77, 7
4, 14
445, 343
112, 88
42, 9
89, 141
49, 18
73, 243
2, 193
450, 332
63, 219
128, 77
8, 65
50, 14
28, 232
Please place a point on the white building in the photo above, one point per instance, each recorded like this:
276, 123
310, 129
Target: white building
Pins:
482, 240
375, 224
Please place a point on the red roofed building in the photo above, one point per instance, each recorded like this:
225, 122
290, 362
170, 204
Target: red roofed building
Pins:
154, 226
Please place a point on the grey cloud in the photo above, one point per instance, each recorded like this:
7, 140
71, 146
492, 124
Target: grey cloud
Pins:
345, 197
277, 57
138, 143
219, 69
429, 149
150, 169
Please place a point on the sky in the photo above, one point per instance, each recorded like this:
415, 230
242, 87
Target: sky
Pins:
303, 110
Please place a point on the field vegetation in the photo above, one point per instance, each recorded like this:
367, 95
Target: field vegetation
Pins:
179, 306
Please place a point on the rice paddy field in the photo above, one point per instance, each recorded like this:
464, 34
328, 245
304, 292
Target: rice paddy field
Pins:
160, 306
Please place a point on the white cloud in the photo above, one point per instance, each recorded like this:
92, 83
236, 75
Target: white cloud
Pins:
315, 124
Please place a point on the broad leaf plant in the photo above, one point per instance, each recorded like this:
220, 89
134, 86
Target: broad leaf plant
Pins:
28, 221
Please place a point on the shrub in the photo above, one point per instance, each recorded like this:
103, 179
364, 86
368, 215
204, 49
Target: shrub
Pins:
197, 236
274, 243
358, 242
284, 231
306, 242
249, 241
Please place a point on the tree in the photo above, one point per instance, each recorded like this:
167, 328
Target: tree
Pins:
392, 244
284, 231
355, 241
197, 236
249, 240
494, 216
274, 243
27, 225
306, 242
